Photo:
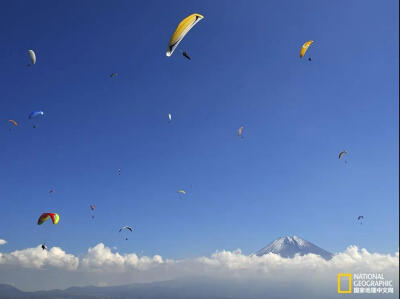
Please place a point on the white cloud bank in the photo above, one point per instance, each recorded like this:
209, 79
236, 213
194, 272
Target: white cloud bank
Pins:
101, 266
2, 242
100, 258
38, 258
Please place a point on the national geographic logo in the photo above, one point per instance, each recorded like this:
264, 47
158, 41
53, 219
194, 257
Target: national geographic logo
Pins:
364, 283
346, 289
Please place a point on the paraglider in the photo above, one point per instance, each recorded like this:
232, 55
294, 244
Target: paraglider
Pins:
360, 219
32, 57
240, 131
113, 75
181, 30
35, 114
126, 228
169, 117
92, 208
119, 171
186, 55
51, 191
304, 48
55, 218
44, 247
13, 123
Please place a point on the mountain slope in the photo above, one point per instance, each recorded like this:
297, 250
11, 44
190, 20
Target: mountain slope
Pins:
9, 291
290, 246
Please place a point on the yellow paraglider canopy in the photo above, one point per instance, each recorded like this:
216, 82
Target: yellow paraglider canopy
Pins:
181, 30
13, 122
304, 48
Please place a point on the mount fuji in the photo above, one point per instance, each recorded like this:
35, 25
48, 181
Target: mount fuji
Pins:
290, 246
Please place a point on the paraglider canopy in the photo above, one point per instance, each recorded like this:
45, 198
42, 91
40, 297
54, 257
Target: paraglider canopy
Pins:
240, 131
44, 247
13, 122
35, 113
113, 75
92, 207
304, 48
126, 227
181, 30
342, 153
32, 56
46, 216
181, 191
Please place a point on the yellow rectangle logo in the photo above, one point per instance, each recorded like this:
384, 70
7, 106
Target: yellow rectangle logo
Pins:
339, 277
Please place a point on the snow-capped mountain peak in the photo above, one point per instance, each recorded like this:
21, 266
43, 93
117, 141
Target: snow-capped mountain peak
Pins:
289, 246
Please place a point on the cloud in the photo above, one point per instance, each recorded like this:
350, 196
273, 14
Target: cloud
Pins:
39, 258
100, 258
2, 242
352, 257
101, 266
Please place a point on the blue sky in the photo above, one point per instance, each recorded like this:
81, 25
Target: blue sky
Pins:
282, 178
